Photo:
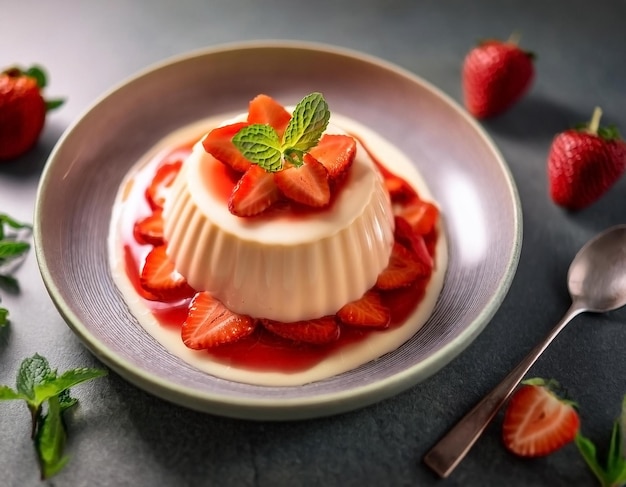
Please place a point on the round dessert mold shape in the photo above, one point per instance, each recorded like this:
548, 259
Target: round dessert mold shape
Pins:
284, 270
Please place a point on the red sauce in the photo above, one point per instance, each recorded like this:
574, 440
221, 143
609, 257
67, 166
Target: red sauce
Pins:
261, 351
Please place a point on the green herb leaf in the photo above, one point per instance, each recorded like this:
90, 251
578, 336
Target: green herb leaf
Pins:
4, 317
259, 144
50, 440
9, 284
33, 371
11, 249
588, 451
308, 122
8, 394
7, 220
55, 386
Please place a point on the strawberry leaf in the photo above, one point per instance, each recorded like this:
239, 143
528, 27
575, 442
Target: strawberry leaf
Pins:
308, 122
39, 74
259, 144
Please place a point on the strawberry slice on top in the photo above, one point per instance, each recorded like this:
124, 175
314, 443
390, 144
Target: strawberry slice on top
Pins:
255, 192
336, 153
307, 184
160, 278
219, 143
209, 323
264, 109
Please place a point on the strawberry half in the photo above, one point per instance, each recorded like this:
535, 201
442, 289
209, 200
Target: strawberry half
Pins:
160, 278
317, 331
537, 422
149, 230
403, 269
255, 191
584, 164
219, 143
336, 153
157, 191
307, 184
209, 323
368, 311
495, 76
264, 109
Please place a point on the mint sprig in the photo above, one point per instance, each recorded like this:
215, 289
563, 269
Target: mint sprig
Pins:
47, 396
613, 472
261, 145
12, 248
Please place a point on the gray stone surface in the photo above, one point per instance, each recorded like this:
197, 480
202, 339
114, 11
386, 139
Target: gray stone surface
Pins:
120, 435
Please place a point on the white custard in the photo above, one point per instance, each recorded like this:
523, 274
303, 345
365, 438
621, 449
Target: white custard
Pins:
283, 268
319, 262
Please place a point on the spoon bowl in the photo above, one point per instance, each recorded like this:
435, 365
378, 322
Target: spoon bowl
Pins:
596, 281
597, 275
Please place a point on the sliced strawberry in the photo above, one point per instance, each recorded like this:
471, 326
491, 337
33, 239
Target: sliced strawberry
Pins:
336, 153
399, 190
403, 269
409, 238
219, 143
254, 192
537, 422
317, 331
209, 323
307, 184
367, 311
157, 191
149, 230
160, 278
421, 215
264, 109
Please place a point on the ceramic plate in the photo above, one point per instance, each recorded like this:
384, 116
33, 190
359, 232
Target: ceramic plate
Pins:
464, 170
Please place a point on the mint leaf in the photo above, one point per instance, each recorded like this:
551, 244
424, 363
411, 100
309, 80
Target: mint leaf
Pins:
259, 144
55, 386
7, 220
53, 104
33, 371
4, 317
588, 451
308, 122
50, 440
10, 249
39, 385
7, 394
39, 74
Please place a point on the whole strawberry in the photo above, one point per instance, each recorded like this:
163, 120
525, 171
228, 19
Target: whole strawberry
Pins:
22, 110
495, 75
584, 163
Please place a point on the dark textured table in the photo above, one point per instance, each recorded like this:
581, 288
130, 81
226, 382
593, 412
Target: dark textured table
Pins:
119, 435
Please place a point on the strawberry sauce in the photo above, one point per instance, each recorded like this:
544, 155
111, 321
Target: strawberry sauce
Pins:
261, 351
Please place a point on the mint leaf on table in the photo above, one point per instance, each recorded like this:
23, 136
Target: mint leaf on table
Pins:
613, 472
42, 388
11, 249
261, 145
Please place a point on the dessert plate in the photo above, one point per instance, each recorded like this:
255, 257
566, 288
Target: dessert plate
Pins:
463, 169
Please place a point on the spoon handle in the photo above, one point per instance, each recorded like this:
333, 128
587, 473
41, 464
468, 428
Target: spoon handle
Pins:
453, 447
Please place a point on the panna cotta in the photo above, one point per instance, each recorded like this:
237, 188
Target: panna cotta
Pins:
342, 262
284, 267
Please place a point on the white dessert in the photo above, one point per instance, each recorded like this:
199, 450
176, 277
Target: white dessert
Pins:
359, 222
283, 268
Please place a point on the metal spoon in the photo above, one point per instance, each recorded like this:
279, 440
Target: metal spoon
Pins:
597, 283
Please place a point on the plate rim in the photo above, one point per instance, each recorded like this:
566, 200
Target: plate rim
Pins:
302, 407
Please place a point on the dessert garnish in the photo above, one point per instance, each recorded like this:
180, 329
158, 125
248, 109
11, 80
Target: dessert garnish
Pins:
282, 156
